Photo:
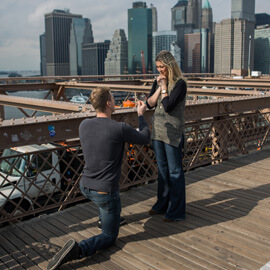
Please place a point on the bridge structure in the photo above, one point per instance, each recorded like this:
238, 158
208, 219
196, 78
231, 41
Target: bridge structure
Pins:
227, 178
224, 117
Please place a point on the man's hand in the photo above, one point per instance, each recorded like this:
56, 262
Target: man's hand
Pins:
141, 107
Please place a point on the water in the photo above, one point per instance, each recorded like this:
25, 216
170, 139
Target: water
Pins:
13, 112
24, 73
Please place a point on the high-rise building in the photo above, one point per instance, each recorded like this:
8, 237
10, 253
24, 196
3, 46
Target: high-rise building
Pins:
207, 51
116, 61
162, 40
243, 9
57, 31
208, 39
262, 19
176, 52
179, 14
180, 25
94, 55
234, 46
243, 44
199, 51
194, 13
207, 16
224, 35
262, 49
80, 32
139, 36
154, 19
193, 53
42, 44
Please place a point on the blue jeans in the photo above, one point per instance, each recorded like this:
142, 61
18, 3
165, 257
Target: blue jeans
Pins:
171, 196
109, 211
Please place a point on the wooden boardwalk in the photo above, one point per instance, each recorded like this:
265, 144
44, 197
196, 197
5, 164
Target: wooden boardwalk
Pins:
227, 226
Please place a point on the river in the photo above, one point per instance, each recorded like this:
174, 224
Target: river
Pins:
13, 112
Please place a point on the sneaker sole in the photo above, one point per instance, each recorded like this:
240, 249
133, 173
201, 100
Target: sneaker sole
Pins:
64, 254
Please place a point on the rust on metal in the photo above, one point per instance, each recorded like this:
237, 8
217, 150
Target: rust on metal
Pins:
43, 105
216, 129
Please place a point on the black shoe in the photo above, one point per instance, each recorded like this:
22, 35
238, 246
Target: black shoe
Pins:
122, 222
70, 251
152, 212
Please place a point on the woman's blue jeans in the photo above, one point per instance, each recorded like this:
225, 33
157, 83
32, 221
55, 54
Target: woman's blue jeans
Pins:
171, 196
109, 211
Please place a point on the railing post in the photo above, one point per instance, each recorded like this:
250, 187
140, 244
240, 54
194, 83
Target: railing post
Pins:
219, 140
2, 114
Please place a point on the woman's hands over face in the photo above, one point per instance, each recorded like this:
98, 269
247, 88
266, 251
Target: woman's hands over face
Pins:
162, 80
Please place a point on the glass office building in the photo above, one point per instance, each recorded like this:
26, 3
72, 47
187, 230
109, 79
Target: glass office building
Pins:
81, 32
207, 16
262, 49
162, 40
139, 36
180, 25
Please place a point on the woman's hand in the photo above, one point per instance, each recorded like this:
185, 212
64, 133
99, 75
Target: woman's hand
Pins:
162, 81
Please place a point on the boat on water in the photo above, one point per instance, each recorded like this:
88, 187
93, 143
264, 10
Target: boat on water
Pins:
79, 99
128, 104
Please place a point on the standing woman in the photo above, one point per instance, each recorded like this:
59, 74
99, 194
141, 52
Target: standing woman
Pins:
168, 96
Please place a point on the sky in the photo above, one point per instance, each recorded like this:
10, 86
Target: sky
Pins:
22, 22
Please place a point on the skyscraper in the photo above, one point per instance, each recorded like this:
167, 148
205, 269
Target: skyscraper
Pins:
176, 52
162, 40
224, 35
193, 53
180, 25
243, 9
80, 32
262, 19
207, 16
243, 44
139, 36
199, 51
207, 51
94, 55
179, 14
262, 49
234, 46
42, 44
154, 19
57, 31
117, 57
194, 13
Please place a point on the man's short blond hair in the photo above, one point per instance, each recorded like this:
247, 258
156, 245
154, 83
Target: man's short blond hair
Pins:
99, 98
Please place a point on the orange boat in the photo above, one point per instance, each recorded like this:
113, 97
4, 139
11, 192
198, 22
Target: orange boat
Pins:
128, 104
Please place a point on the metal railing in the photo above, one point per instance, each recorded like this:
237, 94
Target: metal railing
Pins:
34, 182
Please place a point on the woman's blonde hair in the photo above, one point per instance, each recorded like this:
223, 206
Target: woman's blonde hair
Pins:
174, 71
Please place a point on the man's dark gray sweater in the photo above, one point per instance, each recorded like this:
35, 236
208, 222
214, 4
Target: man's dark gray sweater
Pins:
103, 142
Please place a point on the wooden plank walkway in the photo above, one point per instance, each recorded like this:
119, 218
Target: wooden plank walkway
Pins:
227, 226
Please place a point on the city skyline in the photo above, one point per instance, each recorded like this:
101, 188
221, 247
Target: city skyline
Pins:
22, 22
